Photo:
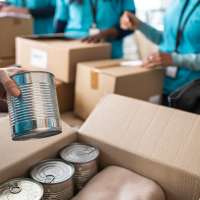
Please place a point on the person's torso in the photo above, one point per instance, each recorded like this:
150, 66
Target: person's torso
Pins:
189, 42
41, 25
108, 13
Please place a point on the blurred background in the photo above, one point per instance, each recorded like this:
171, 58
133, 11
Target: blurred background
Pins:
151, 12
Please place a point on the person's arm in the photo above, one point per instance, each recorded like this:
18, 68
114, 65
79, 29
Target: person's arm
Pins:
130, 22
189, 61
60, 26
151, 33
42, 12
61, 16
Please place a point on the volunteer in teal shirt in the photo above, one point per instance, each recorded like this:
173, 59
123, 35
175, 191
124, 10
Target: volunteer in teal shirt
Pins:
41, 10
77, 18
187, 57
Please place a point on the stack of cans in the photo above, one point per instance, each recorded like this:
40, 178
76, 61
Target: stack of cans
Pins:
21, 189
56, 176
84, 158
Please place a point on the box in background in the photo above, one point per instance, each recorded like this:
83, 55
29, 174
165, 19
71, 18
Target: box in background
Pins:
5, 62
65, 95
59, 57
12, 27
145, 46
95, 78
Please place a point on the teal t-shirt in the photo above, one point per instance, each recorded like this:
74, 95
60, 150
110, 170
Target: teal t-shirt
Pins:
80, 18
189, 43
41, 25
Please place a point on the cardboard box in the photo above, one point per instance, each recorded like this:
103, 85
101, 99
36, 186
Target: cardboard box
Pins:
5, 62
145, 46
95, 78
156, 142
58, 56
11, 28
65, 95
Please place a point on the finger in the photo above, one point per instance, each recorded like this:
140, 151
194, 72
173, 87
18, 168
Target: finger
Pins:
84, 39
152, 65
96, 40
90, 39
9, 84
102, 40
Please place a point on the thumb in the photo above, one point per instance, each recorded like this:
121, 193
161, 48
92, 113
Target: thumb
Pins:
9, 84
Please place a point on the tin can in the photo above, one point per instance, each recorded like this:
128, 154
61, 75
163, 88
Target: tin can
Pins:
34, 114
21, 189
56, 176
84, 157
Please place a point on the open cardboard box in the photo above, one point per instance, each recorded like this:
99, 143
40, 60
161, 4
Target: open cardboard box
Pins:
11, 27
156, 142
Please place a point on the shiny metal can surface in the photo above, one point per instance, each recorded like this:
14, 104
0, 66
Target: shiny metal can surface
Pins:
84, 157
34, 114
21, 189
56, 176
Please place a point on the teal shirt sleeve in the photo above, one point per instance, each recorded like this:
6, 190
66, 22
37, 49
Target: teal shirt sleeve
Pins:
151, 33
189, 61
61, 10
128, 5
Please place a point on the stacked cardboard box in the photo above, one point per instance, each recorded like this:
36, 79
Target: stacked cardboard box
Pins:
11, 27
60, 57
93, 79
156, 142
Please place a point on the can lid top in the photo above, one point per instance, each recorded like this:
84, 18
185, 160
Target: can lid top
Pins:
21, 189
79, 153
52, 171
31, 72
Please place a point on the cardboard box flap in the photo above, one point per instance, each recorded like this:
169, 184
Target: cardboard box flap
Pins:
23, 154
163, 135
113, 68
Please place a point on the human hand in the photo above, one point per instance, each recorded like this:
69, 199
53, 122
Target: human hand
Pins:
7, 84
108, 34
158, 59
129, 21
14, 9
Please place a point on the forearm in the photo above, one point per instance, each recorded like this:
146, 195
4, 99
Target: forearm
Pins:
60, 26
42, 12
151, 33
110, 33
123, 33
189, 61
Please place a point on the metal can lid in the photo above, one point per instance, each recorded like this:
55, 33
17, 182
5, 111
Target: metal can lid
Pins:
52, 171
21, 189
79, 153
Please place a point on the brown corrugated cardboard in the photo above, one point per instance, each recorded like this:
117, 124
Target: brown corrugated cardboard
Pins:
5, 62
95, 78
58, 56
71, 119
16, 158
11, 28
156, 142
145, 46
65, 95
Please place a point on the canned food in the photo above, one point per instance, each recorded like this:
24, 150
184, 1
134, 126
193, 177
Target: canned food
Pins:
35, 113
56, 176
84, 158
21, 189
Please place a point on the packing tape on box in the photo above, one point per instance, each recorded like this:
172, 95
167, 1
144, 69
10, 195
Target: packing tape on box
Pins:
95, 72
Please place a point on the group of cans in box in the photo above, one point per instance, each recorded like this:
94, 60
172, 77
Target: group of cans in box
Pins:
55, 178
